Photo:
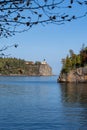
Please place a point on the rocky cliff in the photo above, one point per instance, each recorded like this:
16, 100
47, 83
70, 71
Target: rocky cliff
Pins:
76, 75
45, 70
38, 70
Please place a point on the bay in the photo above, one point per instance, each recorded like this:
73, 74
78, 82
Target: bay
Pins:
40, 103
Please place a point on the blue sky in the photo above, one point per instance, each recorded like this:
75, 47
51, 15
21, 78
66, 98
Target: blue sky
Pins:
51, 42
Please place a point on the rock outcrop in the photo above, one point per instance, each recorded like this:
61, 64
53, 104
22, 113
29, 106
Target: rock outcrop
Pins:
39, 70
76, 75
45, 70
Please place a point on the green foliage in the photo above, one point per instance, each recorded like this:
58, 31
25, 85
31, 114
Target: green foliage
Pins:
14, 66
75, 60
11, 66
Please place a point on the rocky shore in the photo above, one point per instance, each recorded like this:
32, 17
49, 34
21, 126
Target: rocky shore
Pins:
76, 75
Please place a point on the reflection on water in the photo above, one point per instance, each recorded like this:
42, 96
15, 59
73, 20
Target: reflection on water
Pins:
74, 100
74, 93
40, 103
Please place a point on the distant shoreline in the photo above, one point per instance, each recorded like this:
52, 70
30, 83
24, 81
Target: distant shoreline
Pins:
18, 75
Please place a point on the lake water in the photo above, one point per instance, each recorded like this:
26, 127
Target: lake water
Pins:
40, 103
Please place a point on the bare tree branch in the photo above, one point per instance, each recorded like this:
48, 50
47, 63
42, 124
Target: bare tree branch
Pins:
21, 15
4, 48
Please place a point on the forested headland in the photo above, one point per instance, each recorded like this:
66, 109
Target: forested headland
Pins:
74, 61
14, 66
11, 65
74, 67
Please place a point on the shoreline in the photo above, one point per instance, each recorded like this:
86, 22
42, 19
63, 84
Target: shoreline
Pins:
18, 75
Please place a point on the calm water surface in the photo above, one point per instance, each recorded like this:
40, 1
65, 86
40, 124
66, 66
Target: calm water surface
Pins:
40, 103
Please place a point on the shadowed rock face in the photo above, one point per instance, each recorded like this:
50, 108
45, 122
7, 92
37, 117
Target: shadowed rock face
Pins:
77, 75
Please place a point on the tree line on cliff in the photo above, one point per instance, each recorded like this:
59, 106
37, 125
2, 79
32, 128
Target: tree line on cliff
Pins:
16, 66
73, 61
11, 65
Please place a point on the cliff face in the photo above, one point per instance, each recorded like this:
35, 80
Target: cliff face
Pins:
77, 75
45, 70
38, 70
